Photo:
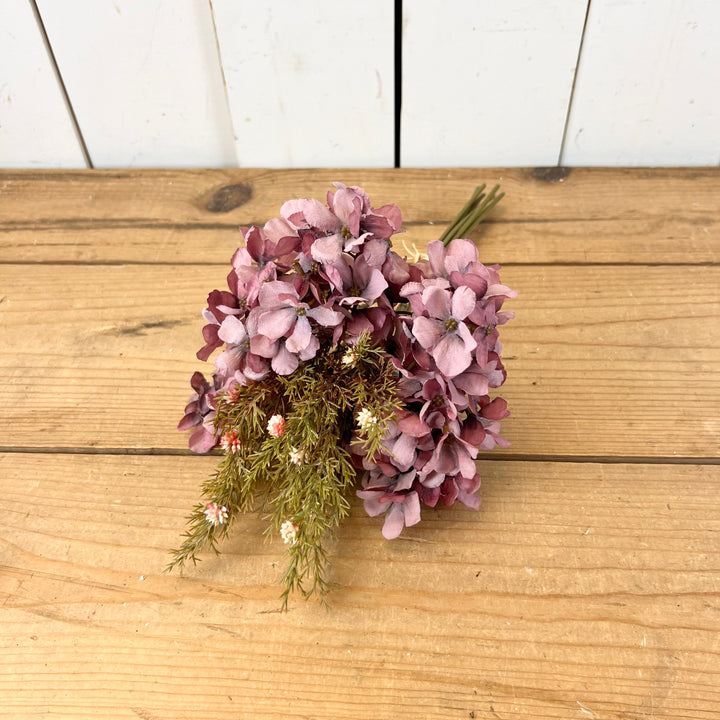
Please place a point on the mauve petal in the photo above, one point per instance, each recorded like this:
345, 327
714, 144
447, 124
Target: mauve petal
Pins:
284, 363
473, 383
212, 342
357, 325
263, 346
375, 251
429, 496
232, 330
275, 324
377, 225
463, 302
395, 269
228, 361
495, 410
466, 464
209, 317
488, 443
334, 275
310, 350
433, 480
219, 298
241, 259
392, 214
376, 287
270, 293
412, 509
327, 249
190, 420
286, 245
451, 355
411, 424
411, 288
373, 507
403, 452
405, 480
427, 332
325, 316
436, 252
448, 492
394, 521
277, 228
255, 364
198, 382
462, 252
468, 485
475, 282
494, 290
202, 440
300, 337
437, 302
292, 211
254, 242
470, 500
464, 334
319, 216
348, 207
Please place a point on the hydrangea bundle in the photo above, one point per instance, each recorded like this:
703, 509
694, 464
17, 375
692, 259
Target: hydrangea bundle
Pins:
343, 369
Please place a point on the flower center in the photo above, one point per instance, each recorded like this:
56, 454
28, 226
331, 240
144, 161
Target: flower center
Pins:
438, 401
345, 233
354, 291
451, 324
300, 311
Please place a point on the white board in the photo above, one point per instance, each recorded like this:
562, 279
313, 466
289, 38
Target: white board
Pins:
487, 83
310, 82
648, 85
144, 80
36, 129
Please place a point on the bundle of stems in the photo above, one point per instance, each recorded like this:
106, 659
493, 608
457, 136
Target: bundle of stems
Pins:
472, 213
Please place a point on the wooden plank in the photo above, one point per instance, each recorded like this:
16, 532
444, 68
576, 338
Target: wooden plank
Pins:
311, 86
577, 591
486, 83
654, 106
585, 215
601, 360
35, 126
144, 80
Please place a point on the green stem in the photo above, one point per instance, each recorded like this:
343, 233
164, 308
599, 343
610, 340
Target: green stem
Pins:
474, 210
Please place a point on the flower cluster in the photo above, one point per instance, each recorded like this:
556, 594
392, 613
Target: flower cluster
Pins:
316, 281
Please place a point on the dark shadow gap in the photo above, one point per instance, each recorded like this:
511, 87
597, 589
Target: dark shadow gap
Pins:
398, 77
61, 83
561, 156
503, 457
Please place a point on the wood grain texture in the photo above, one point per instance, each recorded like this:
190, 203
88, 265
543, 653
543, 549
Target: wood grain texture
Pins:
548, 215
645, 90
487, 83
586, 589
577, 591
144, 80
112, 348
36, 129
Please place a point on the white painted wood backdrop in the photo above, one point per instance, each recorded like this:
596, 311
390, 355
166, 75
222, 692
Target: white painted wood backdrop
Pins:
311, 83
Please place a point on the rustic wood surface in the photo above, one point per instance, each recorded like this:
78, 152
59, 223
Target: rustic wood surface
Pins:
588, 586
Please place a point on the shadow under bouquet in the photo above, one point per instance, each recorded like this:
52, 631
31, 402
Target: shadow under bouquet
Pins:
345, 369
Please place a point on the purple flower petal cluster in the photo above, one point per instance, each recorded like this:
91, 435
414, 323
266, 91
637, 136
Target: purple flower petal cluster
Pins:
322, 274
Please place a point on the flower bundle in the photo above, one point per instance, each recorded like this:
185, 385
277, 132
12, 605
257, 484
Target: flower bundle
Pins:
342, 360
